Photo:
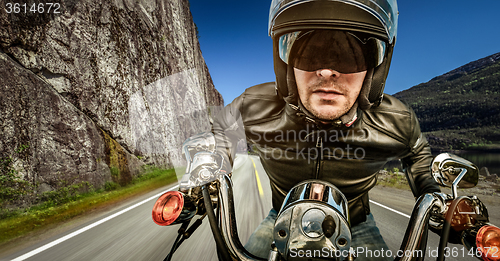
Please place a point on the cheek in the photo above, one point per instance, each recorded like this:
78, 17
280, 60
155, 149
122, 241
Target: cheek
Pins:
355, 81
299, 76
302, 79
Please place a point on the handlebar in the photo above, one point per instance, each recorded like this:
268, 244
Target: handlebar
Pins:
414, 239
415, 236
227, 222
205, 171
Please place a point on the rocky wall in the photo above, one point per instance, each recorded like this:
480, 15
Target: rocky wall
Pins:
100, 87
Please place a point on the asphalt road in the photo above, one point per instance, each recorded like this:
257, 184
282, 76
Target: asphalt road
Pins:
393, 223
128, 232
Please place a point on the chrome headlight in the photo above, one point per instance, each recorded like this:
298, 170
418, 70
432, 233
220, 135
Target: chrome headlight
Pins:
314, 218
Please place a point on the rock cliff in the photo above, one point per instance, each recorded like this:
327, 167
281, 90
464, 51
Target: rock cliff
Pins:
97, 90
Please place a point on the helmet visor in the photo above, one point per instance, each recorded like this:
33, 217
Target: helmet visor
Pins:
342, 51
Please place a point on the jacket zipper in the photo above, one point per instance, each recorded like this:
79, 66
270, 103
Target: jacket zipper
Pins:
319, 147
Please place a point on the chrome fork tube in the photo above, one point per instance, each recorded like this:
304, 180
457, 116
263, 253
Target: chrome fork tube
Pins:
414, 240
227, 222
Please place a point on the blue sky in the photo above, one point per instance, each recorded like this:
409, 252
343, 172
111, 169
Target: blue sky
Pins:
434, 37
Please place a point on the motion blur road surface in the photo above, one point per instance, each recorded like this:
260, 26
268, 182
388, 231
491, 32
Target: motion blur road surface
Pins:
132, 235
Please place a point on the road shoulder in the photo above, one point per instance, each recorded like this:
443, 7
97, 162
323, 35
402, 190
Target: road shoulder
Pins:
57, 230
403, 200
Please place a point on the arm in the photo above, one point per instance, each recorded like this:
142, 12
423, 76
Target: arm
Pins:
417, 163
228, 130
210, 154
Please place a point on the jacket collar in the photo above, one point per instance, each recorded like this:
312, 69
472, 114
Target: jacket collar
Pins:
301, 115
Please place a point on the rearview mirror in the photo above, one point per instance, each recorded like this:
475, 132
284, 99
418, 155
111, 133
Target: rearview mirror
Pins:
453, 171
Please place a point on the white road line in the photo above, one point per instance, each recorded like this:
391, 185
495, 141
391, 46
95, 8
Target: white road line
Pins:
62, 239
388, 208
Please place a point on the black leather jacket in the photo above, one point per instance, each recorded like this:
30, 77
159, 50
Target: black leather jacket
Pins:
292, 149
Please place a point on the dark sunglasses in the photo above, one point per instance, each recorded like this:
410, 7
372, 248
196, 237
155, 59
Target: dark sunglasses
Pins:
342, 51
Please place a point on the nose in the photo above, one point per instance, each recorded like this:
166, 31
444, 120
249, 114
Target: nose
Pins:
326, 73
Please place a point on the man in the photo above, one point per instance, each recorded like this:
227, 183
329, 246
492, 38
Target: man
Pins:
326, 116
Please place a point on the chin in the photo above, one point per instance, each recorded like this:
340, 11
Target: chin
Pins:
327, 112
327, 116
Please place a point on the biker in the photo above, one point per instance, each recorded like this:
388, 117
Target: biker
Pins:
326, 116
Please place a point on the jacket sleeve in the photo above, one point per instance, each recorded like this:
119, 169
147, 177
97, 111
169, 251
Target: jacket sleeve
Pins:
228, 130
416, 163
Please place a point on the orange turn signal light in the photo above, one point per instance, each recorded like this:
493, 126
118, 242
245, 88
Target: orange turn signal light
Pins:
488, 243
168, 208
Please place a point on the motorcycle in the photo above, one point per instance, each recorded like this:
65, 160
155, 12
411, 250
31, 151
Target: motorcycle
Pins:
315, 217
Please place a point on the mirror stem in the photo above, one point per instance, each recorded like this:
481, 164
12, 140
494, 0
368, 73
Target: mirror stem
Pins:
454, 187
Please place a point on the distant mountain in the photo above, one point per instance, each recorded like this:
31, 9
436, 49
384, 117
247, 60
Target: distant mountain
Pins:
460, 109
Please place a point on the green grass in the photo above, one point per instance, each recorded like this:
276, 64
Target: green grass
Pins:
393, 179
48, 214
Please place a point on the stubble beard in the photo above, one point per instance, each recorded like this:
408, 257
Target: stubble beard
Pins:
334, 113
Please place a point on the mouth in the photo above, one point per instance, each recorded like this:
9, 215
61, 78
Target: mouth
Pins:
324, 90
327, 94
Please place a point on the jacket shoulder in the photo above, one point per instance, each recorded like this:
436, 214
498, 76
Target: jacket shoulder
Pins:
393, 104
394, 118
265, 90
260, 103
